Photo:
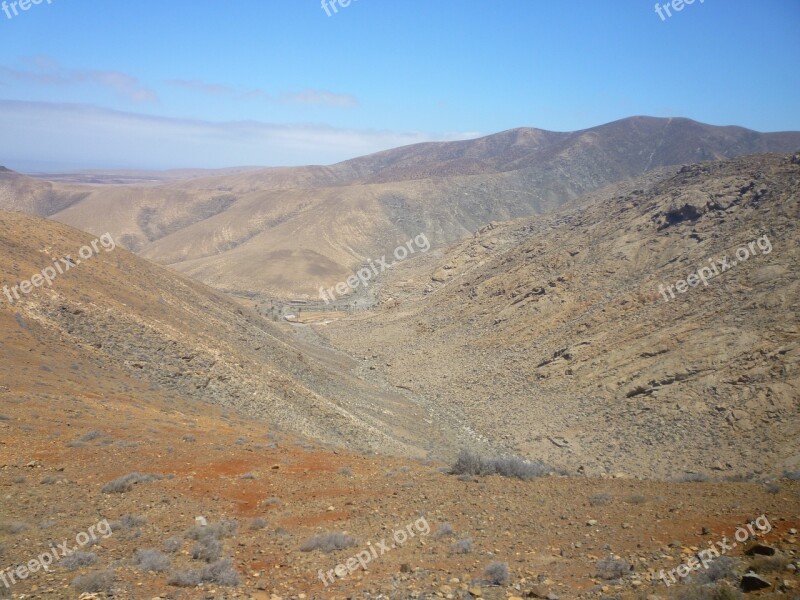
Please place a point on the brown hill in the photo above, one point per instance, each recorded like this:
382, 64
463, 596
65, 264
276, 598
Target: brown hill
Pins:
128, 328
551, 336
289, 231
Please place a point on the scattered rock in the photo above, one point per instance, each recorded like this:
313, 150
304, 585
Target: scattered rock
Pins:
752, 582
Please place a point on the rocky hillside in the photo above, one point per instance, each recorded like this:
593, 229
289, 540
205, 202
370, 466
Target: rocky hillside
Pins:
289, 231
552, 336
128, 328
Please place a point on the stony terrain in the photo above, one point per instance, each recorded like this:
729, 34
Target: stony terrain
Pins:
287, 231
551, 337
560, 537
129, 325
223, 455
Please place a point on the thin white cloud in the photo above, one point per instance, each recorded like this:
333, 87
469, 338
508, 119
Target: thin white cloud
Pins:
44, 70
214, 89
54, 136
319, 97
307, 97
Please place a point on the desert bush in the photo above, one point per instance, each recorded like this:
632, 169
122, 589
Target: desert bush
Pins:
328, 542
76, 560
610, 568
247, 476
150, 559
187, 578
75, 444
722, 567
769, 564
189, 438
5, 418
462, 546
92, 435
469, 463
272, 501
772, 487
220, 530
220, 572
127, 522
173, 544
95, 582
793, 475
13, 527
719, 591
600, 499
635, 499
445, 529
497, 573
346, 471
126, 482
692, 478
258, 523
50, 479
208, 549
19, 479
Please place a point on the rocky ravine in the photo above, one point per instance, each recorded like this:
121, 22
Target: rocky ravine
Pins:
551, 336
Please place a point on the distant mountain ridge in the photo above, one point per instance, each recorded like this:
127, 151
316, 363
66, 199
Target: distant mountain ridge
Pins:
288, 231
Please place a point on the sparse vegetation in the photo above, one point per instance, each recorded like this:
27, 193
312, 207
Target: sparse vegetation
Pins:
328, 542
469, 463
611, 568
693, 478
220, 530
258, 524
635, 499
207, 549
127, 522
600, 499
723, 567
769, 564
462, 546
150, 559
92, 435
77, 560
220, 572
497, 573
126, 482
793, 475
720, 591
346, 471
173, 544
444, 530
95, 582
13, 527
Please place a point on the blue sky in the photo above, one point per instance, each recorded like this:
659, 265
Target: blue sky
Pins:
157, 84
